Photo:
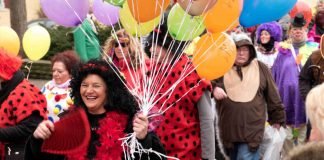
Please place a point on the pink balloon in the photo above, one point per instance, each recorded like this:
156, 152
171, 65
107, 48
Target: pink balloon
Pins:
68, 13
105, 13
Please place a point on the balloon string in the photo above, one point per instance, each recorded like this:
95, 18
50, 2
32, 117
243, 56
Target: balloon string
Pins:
29, 68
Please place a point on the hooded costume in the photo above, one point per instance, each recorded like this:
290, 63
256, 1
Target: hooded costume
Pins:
251, 92
267, 53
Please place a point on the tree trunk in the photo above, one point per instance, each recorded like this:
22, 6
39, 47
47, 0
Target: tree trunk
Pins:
18, 19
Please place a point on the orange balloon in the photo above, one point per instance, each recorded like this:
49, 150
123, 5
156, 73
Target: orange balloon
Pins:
146, 10
214, 55
196, 8
223, 15
304, 8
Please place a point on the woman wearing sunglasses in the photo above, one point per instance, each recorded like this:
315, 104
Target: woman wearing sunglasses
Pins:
128, 56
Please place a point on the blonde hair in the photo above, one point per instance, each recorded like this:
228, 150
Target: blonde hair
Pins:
312, 150
134, 46
315, 107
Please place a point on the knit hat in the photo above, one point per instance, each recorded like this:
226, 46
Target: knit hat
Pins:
273, 28
9, 65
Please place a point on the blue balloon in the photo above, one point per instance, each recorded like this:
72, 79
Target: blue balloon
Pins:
260, 11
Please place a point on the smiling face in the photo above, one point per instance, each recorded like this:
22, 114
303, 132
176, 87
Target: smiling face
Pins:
93, 93
160, 54
298, 34
60, 73
264, 37
121, 49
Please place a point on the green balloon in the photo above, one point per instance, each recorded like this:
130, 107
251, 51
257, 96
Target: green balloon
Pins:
183, 26
116, 2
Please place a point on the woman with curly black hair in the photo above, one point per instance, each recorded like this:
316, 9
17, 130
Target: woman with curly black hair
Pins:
109, 106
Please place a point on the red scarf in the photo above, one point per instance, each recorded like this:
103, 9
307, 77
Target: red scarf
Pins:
111, 129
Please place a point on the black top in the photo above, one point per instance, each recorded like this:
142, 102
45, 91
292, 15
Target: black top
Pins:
33, 146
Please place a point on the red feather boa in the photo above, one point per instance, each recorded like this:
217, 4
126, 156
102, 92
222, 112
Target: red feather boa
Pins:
111, 128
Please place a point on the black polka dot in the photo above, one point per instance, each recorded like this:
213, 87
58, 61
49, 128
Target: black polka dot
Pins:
180, 107
194, 93
31, 85
191, 85
177, 96
25, 104
18, 100
166, 138
180, 88
167, 121
173, 74
193, 133
179, 72
172, 115
175, 127
23, 86
194, 154
194, 143
22, 94
172, 145
10, 103
178, 119
180, 138
33, 102
14, 108
40, 93
169, 82
173, 135
186, 144
187, 136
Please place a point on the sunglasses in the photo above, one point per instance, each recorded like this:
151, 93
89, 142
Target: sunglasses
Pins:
122, 44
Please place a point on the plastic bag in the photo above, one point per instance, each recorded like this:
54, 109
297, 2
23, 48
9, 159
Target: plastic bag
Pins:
273, 143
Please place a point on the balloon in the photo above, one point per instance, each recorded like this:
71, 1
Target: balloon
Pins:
223, 15
36, 42
132, 26
196, 8
9, 40
105, 12
146, 10
68, 13
214, 56
116, 2
182, 26
261, 11
304, 8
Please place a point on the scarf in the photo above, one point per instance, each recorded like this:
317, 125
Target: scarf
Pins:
10, 85
268, 46
299, 44
111, 129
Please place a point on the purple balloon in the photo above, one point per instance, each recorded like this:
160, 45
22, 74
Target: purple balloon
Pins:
68, 13
105, 13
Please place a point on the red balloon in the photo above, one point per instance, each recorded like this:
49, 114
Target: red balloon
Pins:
304, 8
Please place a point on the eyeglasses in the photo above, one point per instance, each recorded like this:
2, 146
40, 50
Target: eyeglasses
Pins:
122, 44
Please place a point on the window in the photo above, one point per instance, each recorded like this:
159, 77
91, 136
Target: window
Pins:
2, 5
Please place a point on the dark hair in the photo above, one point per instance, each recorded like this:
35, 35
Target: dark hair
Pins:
119, 98
161, 36
69, 58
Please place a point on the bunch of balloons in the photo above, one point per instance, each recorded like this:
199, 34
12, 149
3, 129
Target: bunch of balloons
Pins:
36, 42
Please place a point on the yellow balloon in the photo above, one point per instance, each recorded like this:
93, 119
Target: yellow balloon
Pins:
214, 55
9, 40
36, 42
132, 26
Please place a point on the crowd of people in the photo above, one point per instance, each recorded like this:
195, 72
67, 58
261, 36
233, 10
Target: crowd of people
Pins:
276, 79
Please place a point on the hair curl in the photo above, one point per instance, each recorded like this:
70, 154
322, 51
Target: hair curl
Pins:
119, 98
